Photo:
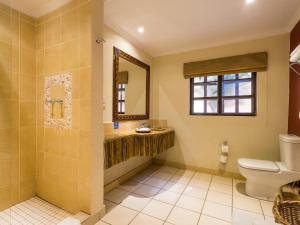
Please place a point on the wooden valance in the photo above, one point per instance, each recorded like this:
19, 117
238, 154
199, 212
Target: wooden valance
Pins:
122, 77
254, 62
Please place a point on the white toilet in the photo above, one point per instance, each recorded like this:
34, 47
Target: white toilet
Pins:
264, 178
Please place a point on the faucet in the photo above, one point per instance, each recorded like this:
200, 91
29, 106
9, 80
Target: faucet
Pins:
143, 124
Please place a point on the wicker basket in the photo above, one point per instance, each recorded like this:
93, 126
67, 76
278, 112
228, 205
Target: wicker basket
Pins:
287, 212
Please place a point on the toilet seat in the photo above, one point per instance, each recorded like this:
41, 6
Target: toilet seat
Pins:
263, 165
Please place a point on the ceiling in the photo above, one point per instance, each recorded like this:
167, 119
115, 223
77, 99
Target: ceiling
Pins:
35, 8
180, 25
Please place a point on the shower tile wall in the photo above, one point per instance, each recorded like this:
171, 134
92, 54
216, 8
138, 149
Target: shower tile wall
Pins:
17, 107
63, 46
51, 163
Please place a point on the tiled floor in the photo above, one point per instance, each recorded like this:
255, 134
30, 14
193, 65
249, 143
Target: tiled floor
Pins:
165, 195
33, 211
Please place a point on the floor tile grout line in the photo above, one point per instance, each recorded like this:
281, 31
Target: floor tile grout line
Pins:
151, 198
179, 198
205, 198
156, 200
28, 215
185, 184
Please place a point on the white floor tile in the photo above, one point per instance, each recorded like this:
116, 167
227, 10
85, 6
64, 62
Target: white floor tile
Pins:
135, 202
203, 176
241, 216
162, 175
223, 188
167, 197
185, 173
219, 197
130, 186
101, 223
247, 203
195, 192
116, 195
180, 179
156, 182
267, 208
199, 183
207, 220
120, 216
168, 169
141, 178
157, 209
147, 191
270, 219
174, 187
222, 180
181, 216
191, 203
143, 219
218, 211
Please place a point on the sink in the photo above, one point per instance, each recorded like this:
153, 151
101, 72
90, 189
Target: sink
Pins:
143, 130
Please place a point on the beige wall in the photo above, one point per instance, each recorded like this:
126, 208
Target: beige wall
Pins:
115, 40
198, 138
17, 107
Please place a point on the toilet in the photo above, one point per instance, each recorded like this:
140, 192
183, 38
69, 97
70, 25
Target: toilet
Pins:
264, 178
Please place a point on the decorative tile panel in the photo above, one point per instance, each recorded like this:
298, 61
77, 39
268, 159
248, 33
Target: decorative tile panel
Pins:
66, 81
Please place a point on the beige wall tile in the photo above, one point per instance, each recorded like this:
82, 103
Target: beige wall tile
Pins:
70, 25
27, 88
40, 36
27, 113
75, 113
52, 141
52, 60
5, 57
27, 62
85, 82
70, 55
85, 113
27, 35
5, 27
5, 85
70, 143
52, 32
15, 86
40, 62
5, 114
85, 51
85, 18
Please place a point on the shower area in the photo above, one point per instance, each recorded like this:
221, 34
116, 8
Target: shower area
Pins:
45, 101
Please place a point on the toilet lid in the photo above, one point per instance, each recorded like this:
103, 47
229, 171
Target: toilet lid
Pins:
256, 164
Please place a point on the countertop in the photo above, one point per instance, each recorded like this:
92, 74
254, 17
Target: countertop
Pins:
120, 134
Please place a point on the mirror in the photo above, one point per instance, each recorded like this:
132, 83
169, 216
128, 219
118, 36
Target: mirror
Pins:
131, 87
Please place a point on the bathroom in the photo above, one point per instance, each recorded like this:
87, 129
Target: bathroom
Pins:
122, 112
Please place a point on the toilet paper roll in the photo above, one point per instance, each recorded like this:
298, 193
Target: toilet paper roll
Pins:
225, 148
223, 159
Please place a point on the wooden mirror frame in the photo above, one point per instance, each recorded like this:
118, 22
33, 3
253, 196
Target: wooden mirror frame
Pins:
117, 54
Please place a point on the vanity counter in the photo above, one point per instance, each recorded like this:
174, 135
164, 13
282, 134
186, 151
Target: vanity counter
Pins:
121, 134
122, 145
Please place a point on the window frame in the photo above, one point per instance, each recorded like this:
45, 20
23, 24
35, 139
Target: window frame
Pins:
220, 82
121, 101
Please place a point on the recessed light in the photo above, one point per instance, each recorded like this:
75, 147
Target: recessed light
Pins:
141, 30
249, 1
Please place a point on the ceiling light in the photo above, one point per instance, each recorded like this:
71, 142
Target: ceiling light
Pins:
249, 1
141, 30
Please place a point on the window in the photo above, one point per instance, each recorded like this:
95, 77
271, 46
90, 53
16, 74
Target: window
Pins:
121, 99
232, 94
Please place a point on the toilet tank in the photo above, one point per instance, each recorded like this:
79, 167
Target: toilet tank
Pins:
290, 151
